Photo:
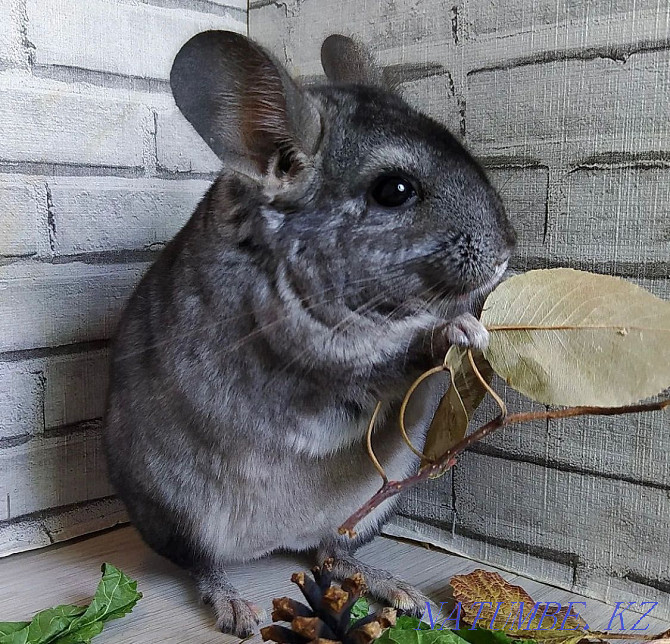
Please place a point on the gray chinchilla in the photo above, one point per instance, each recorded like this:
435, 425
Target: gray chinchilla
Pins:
348, 240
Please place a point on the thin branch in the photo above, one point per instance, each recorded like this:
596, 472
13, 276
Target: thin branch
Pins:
448, 460
368, 443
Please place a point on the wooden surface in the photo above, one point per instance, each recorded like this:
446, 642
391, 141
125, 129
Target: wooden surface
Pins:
170, 611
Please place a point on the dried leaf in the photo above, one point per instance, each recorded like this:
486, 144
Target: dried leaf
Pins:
567, 337
484, 586
511, 609
464, 395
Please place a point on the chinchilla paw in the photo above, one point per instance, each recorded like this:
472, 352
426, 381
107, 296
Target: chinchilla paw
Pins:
466, 330
237, 616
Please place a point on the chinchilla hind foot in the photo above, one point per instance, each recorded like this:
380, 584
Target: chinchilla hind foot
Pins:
234, 614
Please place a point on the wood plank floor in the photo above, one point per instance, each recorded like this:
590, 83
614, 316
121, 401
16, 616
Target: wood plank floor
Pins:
170, 612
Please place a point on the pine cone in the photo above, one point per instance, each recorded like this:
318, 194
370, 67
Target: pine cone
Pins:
326, 619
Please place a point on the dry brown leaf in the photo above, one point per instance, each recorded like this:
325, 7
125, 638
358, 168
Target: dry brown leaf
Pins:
464, 395
567, 337
511, 609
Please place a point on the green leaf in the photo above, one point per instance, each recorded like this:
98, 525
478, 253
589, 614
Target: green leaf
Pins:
396, 635
82, 635
405, 623
115, 596
464, 395
360, 609
567, 337
7, 628
45, 626
483, 636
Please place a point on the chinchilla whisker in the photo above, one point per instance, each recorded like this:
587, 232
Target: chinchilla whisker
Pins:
425, 307
330, 331
222, 321
241, 342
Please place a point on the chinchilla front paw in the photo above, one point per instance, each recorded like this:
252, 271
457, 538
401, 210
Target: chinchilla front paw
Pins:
466, 330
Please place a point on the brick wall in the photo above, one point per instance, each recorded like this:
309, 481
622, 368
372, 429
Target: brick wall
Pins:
97, 171
566, 104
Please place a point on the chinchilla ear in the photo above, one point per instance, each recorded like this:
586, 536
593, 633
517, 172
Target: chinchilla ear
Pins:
241, 101
346, 61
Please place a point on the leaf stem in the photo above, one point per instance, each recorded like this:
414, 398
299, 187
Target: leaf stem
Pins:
570, 327
499, 401
448, 460
403, 409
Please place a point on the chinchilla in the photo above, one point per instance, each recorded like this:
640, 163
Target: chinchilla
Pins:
347, 242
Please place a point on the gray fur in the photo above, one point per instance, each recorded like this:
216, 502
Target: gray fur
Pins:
250, 358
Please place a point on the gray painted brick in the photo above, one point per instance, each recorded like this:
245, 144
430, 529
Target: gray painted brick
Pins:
52, 470
48, 122
22, 399
502, 35
637, 449
60, 524
69, 523
524, 194
572, 109
17, 536
613, 528
487, 38
613, 215
76, 386
484, 16
430, 502
294, 30
659, 287
104, 213
23, 217
11, 38
516, 561
152, 35
434, 96
71, 114
51, 391
238, 4
179, 147
52, 305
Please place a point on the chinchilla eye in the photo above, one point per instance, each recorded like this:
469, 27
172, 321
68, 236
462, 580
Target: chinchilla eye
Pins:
392, 190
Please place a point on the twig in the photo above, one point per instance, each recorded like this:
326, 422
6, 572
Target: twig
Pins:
448, 460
